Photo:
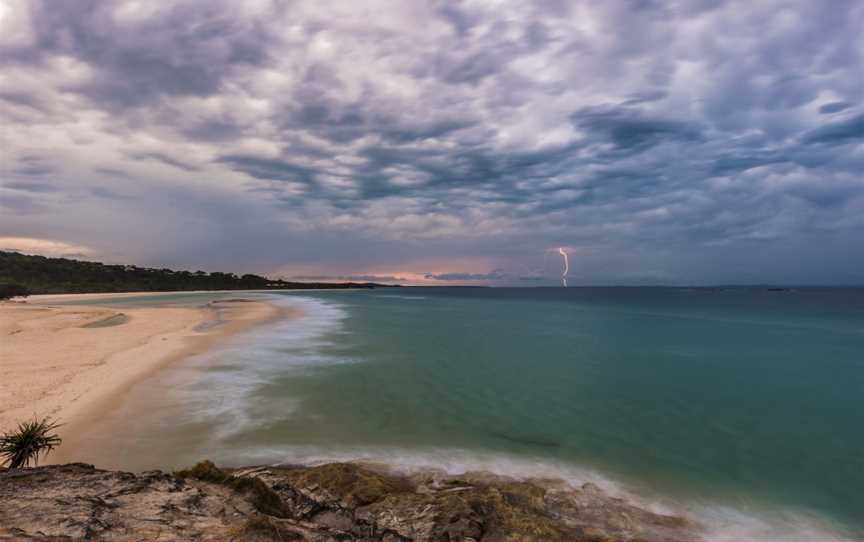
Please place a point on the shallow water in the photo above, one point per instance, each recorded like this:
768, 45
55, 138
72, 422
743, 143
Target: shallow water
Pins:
742, 407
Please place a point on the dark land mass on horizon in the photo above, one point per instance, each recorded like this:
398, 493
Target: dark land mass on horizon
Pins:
44, 275
31, 274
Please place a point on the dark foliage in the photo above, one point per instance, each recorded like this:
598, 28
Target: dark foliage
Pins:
41, 275
31, 439
8, 291
264, 499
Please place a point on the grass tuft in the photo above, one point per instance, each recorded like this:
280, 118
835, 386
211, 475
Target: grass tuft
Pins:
263, 528
205, 471
264, 499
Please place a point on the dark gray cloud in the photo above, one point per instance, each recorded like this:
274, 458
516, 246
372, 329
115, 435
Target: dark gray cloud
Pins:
19, 204
31, 186
630, 131
834, 107
185, 48
165, 159
269, 169
341, 139
497, 274
850, 131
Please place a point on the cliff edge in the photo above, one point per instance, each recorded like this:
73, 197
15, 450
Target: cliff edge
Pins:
333, 502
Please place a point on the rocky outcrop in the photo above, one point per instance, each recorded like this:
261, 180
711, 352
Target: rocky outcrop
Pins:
331, 502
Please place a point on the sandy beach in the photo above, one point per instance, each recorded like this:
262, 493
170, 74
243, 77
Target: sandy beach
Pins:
71, 362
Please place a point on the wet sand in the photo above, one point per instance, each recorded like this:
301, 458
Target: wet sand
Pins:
75, 363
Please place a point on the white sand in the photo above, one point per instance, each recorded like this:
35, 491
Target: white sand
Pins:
51, 364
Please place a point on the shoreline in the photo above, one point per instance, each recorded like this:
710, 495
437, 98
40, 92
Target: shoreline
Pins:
87, 296
48, 298
74, 363
718, 520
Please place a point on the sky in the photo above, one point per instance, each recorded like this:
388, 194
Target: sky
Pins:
677, 142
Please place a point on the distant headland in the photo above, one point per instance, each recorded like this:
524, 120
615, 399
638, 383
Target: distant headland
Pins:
43, 275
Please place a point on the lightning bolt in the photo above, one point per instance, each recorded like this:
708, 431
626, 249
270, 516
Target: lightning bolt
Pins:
566, 267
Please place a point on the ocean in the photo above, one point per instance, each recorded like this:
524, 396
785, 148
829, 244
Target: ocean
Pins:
742, 407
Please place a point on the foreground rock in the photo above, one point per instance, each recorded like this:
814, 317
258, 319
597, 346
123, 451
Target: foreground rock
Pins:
331, 502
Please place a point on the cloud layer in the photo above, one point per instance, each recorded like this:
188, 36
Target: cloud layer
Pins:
661, 142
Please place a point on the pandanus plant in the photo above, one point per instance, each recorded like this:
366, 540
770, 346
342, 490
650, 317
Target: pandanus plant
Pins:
24, 445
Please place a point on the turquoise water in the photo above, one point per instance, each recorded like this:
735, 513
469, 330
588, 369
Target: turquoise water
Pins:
743, 405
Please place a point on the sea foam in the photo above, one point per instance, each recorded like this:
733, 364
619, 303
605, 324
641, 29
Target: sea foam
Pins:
227, 388
720, 522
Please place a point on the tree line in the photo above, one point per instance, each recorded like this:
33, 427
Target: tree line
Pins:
22, 274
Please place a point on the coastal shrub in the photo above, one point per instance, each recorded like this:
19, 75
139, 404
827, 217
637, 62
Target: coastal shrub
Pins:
8, 291
264, 499
205, 471
351, 485
262, 527
61, 275
24, 445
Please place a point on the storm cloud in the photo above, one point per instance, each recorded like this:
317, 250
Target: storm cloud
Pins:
660, 142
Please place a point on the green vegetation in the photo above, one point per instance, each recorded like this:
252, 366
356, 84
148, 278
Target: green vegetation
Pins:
354, 486
504, 511
41, 275
264, 499
205, 471
359, 502
31, 439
